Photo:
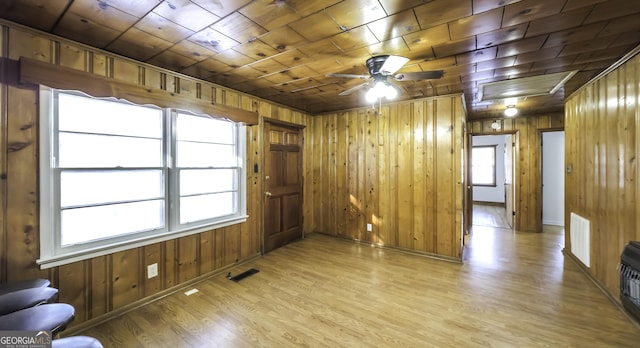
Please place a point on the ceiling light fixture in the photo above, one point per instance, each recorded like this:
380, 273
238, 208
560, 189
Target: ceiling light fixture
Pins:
510, 111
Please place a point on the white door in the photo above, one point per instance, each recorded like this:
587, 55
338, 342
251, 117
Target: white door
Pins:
553, 178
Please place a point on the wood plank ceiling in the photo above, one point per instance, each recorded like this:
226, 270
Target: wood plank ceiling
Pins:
282, 50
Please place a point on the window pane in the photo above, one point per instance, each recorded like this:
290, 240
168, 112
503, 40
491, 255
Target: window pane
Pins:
204, 129
206, 155
483, 175
483, 155
198, 181
89, 115
203, 207
107, 151
93, 223
92, 187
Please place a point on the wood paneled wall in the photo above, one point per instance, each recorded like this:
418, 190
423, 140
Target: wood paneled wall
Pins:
602, 128
399, 168
528, 185
103, 284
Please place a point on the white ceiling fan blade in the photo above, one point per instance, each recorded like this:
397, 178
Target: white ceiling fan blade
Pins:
420, 75
353, 89
350, 76
393, 64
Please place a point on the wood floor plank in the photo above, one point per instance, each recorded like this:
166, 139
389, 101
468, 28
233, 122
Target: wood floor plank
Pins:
514, 289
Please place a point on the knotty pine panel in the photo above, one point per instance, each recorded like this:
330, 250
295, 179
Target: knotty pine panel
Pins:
342, 178
126, 71
103, 284
98, 304
371, 176
429, 175
74, 274
169, 272
601, 140
206, 252
405, 177
22, 224
389, 155
187, 258
354, 203
419, 179
125, 277
446, 176
528, 185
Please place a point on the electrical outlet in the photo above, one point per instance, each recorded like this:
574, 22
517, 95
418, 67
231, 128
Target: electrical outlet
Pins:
152, 271
369, 228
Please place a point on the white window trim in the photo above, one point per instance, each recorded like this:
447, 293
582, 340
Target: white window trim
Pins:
49, 258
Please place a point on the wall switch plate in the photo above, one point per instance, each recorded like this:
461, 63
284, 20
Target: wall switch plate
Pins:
369, 228
152, 271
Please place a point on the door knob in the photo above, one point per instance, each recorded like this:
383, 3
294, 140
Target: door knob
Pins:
268, 194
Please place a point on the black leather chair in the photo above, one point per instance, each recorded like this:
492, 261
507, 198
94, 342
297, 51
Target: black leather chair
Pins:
76, 342
52, 317
22, 299
25, 284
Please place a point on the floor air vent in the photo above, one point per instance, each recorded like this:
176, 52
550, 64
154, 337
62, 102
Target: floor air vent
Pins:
630, 279
242, 275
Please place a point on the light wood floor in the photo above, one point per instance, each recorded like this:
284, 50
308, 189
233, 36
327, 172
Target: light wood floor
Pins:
514, 290
490, 215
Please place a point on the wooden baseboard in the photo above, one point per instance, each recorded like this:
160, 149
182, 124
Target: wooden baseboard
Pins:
615, 300
396, 249
75, 329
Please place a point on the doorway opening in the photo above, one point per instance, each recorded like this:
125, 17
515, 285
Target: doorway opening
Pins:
491, 173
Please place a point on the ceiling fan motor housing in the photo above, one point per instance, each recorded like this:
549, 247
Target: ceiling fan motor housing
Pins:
375, 63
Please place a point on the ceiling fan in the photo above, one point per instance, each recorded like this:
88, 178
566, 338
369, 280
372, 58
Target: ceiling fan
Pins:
381, 68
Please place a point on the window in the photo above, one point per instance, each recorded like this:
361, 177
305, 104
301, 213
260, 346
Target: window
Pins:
483, 165
115, 175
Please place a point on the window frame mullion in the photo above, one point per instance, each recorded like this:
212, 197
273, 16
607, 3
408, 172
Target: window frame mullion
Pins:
171, 172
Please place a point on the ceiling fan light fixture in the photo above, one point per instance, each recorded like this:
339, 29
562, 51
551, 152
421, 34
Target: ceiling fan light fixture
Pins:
381, 89
371, 95
391, 93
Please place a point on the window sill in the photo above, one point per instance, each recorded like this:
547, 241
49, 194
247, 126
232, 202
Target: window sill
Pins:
63, 259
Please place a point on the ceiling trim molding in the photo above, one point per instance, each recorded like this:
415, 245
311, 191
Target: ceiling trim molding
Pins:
56, 76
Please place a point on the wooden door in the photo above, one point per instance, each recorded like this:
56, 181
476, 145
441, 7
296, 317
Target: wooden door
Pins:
509, 161
283, 185
468, 199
